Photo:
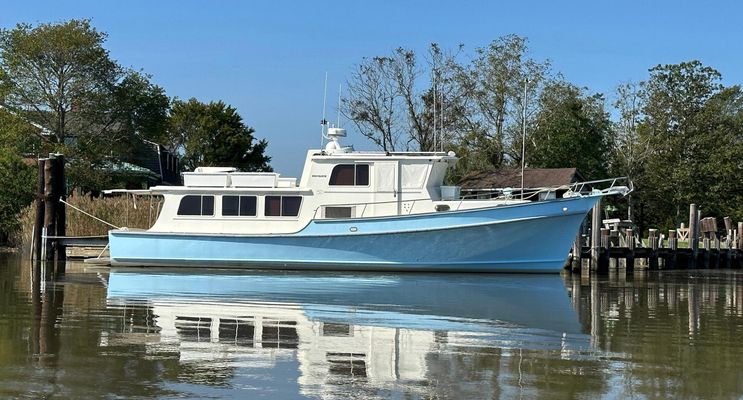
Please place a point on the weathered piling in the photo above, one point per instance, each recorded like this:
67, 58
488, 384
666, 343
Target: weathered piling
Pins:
39, 218
596, 234
50, 215
653, 244
603, 260
693, 234
673, 243
740, 235
630, 259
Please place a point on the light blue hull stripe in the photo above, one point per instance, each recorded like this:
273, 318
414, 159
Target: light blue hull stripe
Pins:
526, 238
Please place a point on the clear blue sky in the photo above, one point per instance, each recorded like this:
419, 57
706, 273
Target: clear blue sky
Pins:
269, 58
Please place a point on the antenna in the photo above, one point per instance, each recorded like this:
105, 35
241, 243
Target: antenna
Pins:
441, 114
434, 105
338, 111
324, 122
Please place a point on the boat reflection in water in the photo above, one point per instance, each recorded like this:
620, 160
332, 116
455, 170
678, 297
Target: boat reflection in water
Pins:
381, 331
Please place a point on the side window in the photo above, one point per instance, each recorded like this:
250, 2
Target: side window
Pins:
196, 205
283, 206
243, 206
350, 175
338, 212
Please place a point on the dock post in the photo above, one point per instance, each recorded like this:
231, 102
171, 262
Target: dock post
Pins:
673, 243
39, 217
595, 234
653, 243
603, 265
60, 191
52, 193
577, 248
740, 236
630, 259
693, 235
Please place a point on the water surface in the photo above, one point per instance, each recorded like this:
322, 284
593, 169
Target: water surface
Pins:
135, 333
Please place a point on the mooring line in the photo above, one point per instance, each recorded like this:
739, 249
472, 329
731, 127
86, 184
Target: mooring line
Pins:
90, 215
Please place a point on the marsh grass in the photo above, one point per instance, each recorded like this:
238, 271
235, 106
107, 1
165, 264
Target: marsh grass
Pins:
119, 210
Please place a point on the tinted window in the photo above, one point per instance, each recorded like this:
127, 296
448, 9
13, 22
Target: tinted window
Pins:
230, 205
238, 206
362, 174
283, 206
190, 205
342, 175
273, 206
207, 205
338, 212
290, 206
247, 206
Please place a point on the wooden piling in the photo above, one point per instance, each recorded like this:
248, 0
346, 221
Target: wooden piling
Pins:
653, 244
603, 262
673, 246
50, 208
693, 234
577, 248
60, 191
53, 191
595, 234
39, 220
630, 259
740, 235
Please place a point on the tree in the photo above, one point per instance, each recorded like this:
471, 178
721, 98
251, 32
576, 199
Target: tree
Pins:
213, 134
55, 73
392, 103
678, 125
630, 150
18, 190
61, 79
571, 129
494, 83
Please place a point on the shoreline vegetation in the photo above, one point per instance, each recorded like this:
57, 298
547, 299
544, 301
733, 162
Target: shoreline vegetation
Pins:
123, 211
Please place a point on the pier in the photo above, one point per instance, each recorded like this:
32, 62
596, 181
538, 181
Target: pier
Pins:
697, 247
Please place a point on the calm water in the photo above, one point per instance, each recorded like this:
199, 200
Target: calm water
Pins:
95, 333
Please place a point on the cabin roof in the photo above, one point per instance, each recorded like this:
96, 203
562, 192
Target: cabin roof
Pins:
533, 178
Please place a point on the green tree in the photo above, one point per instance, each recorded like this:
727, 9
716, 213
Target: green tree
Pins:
214, 134
571, 129
691, 125
60, 78
18, 190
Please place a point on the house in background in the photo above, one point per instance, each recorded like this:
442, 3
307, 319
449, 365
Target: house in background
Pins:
488, 184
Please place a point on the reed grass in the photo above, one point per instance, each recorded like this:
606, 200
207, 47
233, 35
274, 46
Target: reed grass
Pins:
122, 211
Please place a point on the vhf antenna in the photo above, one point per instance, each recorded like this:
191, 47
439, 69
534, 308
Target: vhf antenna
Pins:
324, 122
340, 88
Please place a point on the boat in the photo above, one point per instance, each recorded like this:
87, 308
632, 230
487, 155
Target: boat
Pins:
353, 210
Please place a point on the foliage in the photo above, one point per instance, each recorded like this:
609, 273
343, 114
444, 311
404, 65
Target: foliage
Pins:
693, 126
18, 190
571, 129
60, 77
139, 213
213, 134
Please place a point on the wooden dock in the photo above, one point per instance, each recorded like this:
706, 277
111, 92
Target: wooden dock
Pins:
702, 247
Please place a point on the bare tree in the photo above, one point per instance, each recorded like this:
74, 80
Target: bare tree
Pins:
396, 104
630, 149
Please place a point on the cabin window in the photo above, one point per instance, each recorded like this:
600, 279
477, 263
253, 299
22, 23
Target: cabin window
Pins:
239, 206
196, 205
283, 206
350, 175
338, 212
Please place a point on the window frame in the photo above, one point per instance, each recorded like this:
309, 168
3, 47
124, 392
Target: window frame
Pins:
281, 206
201, 206
355, 175
239, 204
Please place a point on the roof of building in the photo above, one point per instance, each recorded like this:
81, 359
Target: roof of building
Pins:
533, 178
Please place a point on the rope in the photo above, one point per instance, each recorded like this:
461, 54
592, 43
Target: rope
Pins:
90, 215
